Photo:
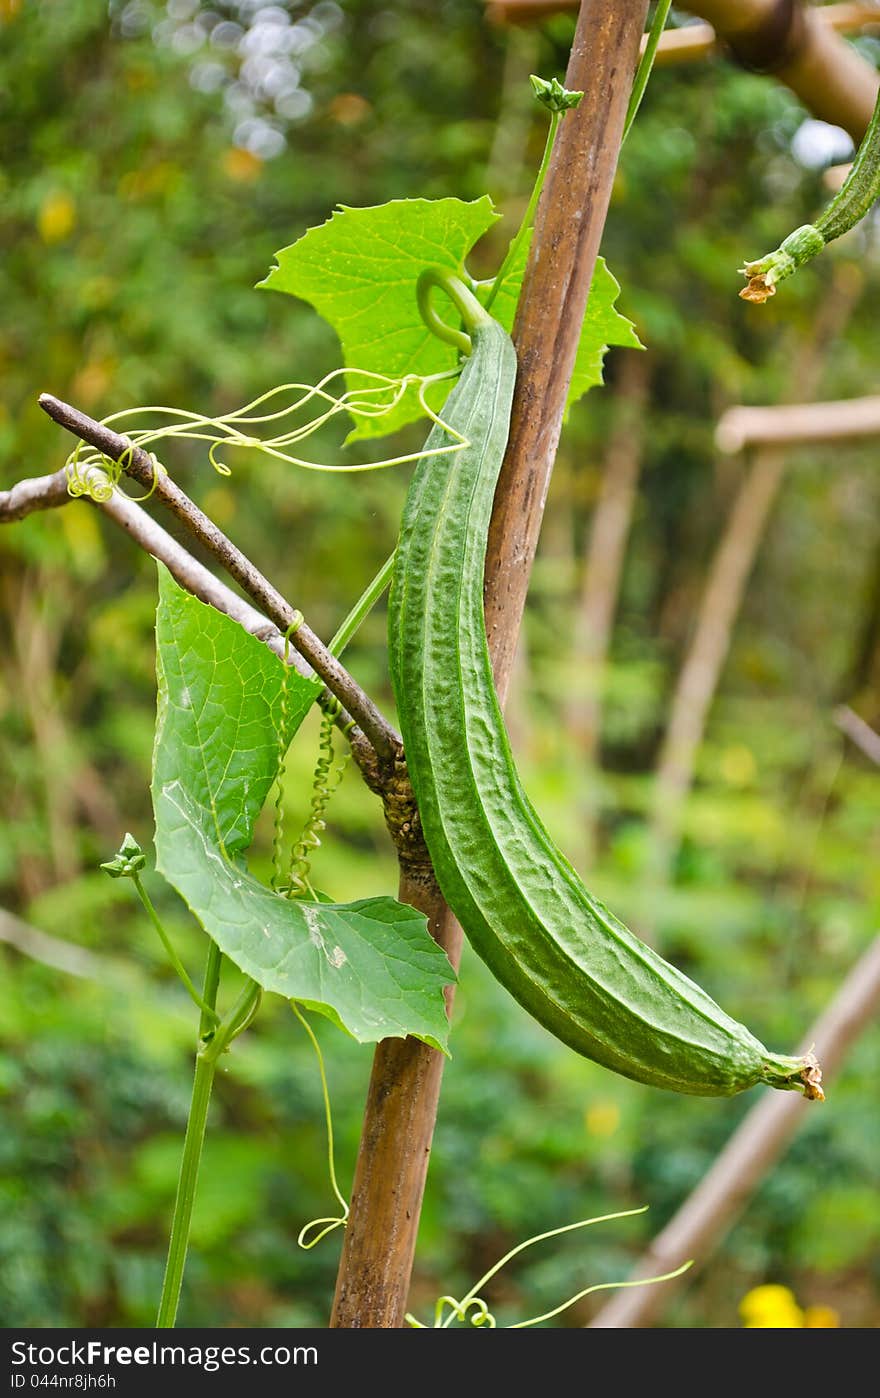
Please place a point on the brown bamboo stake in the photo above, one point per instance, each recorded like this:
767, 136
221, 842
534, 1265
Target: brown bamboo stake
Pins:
726, 584
798, 424
568, 228
754, 1148
809, 55
380, 1237
830, 77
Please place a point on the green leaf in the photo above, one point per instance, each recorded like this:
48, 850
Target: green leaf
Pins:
603, 324
370, 966
359, 270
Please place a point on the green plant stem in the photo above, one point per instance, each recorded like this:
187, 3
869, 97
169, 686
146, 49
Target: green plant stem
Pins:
646, 63
362, 607
529, 215
206, 1062
238, 1019
172, 954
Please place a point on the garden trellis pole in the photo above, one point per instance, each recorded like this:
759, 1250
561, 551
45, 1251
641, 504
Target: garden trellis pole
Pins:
380, 1237
799, 44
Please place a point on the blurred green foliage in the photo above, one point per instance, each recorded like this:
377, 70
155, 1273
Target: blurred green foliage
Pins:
148, 177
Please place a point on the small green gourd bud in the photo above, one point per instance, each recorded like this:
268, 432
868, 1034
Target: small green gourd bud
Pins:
128, 860
552, 95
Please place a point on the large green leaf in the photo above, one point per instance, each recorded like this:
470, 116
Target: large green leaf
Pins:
370, 966
359, 270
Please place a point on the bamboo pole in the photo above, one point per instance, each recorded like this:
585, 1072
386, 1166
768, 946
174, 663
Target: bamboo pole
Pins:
807, 52
392, 1164
798, 424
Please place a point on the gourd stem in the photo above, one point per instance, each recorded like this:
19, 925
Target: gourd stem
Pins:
362, 607
467, 305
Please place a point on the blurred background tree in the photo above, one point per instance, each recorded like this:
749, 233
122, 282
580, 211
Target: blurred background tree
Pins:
155, 157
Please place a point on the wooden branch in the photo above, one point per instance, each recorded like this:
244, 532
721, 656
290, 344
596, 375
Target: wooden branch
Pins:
138, 464
379, 1242
754, 1148
831, 78
38, 493
809, 55
798, 423
859, 732
153, 539
47, 492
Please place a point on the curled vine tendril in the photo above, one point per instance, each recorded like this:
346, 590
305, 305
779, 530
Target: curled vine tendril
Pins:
281, 730
82, 479
304, 1238
473, 1310
329, 772
374, 396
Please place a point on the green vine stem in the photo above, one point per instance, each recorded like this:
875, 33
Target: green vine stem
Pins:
203, 1082
529, 215
213, 1042
127, 863
558, 101
212, 1017
646, 64
362, 607
857, 194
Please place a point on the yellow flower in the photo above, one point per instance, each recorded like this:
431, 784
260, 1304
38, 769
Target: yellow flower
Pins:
770, 1307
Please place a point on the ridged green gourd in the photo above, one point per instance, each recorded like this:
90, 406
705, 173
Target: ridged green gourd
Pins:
559, 951
855, 198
